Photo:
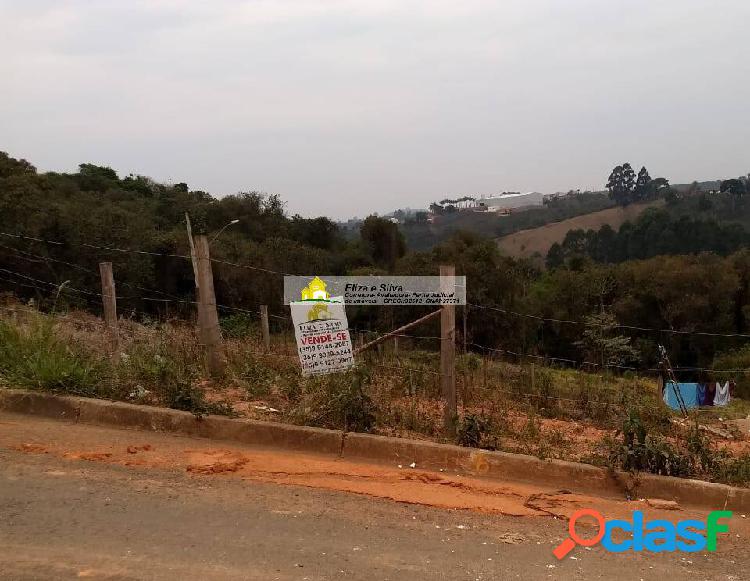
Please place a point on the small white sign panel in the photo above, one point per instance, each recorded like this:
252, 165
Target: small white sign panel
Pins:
322, 332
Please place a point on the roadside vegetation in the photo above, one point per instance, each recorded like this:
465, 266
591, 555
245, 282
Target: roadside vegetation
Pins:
609, 420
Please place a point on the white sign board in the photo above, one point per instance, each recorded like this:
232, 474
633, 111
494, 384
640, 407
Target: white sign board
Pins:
379, 290
322, 332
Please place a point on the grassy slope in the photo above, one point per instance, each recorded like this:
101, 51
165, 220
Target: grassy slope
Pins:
535, 230
528, 242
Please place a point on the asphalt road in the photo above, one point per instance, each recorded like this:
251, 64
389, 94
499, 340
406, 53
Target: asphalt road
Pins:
67, 518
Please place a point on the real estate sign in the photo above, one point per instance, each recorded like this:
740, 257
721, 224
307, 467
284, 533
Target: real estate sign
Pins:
322, 332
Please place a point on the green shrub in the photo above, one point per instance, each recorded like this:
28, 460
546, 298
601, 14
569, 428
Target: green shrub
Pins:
180, 395
734, 471
476, 431
257, 376
641, 451
468, 363
238, 326
168, 371
337, 401
145, 363
33, 357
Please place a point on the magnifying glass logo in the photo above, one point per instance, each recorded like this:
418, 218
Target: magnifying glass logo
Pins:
573, 539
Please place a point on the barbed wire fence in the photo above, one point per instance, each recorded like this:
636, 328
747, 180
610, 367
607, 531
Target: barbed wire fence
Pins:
478, 370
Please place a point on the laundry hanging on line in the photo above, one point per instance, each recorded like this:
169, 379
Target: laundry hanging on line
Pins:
689, 392
710, 393
700, 394
695, 395
723, 394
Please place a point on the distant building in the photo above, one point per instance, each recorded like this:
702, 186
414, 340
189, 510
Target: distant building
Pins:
513, 201
466, 204
501, 203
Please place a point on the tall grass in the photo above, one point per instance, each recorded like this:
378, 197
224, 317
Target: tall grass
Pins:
501, 405
34, 357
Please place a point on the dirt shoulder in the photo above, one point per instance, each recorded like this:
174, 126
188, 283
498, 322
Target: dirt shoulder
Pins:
88, 502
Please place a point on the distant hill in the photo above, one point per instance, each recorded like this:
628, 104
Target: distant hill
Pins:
723, 208
526, 243
426, 235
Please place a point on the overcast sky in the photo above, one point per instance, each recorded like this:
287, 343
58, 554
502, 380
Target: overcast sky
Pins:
351, 107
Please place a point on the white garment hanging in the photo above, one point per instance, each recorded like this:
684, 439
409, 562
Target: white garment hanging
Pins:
722, 397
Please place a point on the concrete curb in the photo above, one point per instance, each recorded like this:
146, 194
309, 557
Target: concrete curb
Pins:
555, 474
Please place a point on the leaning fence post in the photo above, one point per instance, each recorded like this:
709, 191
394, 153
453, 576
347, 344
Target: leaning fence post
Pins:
208, 316
448, 350
264, 327
110, 306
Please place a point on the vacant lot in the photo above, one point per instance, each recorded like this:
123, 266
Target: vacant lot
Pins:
528, 242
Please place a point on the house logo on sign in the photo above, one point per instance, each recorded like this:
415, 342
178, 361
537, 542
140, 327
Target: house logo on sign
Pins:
319, 312
315, 291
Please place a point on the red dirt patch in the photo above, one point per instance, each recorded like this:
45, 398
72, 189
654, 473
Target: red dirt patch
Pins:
222, 462
30, 448
136, 449
90, 456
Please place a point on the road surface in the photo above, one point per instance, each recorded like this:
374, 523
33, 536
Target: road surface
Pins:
83, 502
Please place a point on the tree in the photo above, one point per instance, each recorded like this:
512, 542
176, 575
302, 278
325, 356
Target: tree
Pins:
436, 209
602, 344
99, 171
657, 187
384, 240
10, 166
318, 232
642, 185
621, 184
734, 186
96, 178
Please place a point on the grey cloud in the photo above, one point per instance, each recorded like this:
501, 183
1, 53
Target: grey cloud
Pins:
350, 107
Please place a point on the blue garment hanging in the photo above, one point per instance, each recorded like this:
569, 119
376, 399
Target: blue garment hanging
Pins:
688, 391
701, 394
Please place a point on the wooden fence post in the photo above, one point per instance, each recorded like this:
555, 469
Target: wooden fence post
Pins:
285, 334
465, 308
208, 316
448, 351
110, 306
264, 327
